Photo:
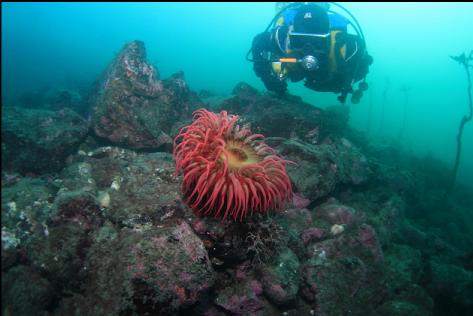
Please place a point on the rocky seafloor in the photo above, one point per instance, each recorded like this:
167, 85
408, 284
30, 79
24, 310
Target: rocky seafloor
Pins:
93, 221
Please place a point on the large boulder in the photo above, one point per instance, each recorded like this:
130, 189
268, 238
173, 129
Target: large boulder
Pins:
133, 108
39, 141
319, 169
281, 280
131, 188
242, 299
286, 116
152, 271
344, 269
25, 292
55, 98
26, 212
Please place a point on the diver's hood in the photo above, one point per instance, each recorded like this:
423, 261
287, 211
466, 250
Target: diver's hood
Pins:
311, 19
309, 32
311, 29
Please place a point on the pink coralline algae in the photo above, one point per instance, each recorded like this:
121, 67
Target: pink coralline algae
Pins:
368, 238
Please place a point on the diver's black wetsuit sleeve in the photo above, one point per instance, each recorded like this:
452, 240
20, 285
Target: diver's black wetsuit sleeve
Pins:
262, 66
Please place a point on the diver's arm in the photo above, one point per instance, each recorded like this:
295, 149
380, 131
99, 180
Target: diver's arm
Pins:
357, 67
262, 66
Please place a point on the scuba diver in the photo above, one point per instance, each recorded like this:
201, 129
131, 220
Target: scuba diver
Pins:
307, 40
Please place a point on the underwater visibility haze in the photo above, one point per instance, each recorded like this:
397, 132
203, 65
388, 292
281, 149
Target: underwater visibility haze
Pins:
237, 158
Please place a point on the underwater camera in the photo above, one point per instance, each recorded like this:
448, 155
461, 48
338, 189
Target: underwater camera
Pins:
310, 63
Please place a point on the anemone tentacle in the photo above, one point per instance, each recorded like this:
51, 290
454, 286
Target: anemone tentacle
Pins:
228, 171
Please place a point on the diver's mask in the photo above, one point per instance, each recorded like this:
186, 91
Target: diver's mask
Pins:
311, 47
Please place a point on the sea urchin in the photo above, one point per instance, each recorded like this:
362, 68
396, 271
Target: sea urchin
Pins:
227, 170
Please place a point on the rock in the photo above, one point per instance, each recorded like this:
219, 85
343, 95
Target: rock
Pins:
404, 265
78, 177
336, 118
132, 107
39, 141
297, 219
386, 152
389, 220
300, 201
26, 213
392, 178
231, 243
313, 234
162, 271
60, 254
286, 116
58, 245
205, 94
271, 116
414, 236
25, 292
55, 98
242, 299
138, 188
79, 207
33, 99
141, 188
367, 238
243, 89
344, 271
449, 280
149, 191
319, 169
338, 277
417, 296
281, 280
335, 213
400, 308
